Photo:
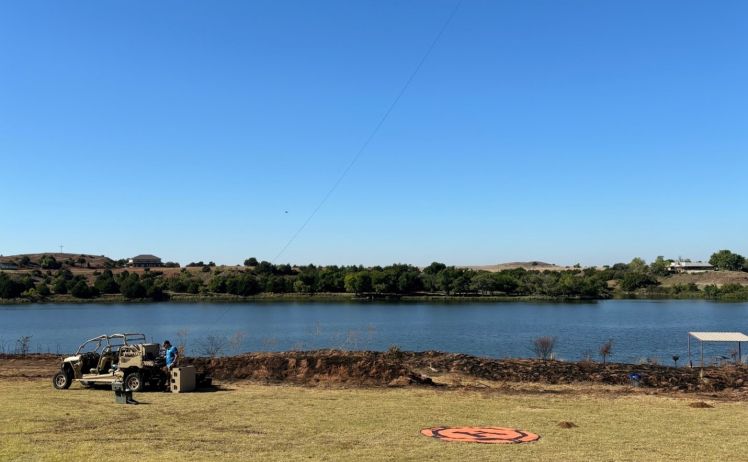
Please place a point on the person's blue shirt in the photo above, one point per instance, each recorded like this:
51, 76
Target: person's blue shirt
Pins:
171, 355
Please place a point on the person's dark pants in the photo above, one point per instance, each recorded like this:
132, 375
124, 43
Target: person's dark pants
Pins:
167, 375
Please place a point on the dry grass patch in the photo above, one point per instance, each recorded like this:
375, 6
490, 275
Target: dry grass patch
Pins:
282, 423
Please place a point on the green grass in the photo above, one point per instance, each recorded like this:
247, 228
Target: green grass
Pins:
281, 423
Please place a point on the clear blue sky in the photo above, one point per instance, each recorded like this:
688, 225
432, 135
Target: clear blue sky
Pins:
563, 131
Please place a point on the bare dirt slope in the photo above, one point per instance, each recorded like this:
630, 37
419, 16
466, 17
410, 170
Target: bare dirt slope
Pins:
527, 265
718, 278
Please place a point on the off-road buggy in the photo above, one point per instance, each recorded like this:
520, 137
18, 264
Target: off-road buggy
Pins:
117, 357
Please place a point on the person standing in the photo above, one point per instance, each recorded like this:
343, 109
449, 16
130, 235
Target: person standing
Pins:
172, 354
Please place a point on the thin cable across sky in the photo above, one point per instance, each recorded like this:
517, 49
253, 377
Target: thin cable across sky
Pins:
374, 132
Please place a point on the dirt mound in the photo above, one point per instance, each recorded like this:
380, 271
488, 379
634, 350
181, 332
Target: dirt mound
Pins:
360, 368
561, 372
567, 424
700, 405
397, 368
423, 368
408, 368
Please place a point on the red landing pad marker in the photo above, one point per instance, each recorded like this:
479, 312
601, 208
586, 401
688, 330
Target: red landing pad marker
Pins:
486, 435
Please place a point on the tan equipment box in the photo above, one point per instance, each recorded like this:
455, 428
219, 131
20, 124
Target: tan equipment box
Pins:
183, 379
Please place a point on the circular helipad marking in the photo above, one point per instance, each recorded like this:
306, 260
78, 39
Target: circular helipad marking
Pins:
489, 435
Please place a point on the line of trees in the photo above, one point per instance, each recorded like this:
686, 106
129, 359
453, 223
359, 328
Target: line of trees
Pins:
264, 277
130, 285
394, 280
401, 279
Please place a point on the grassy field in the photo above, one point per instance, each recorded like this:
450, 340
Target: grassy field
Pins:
281, 423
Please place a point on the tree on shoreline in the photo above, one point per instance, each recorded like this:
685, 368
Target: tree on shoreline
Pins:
728, 261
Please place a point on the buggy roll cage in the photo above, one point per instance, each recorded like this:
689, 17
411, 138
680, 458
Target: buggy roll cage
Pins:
105, 341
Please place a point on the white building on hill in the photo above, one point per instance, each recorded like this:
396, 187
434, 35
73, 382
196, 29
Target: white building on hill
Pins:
690, 267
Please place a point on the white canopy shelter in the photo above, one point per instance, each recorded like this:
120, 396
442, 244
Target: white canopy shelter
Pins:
702, 337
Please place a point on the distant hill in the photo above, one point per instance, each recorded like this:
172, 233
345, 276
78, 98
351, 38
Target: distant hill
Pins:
67, 260
528, 265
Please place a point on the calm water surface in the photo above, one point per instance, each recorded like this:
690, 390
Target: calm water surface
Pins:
639, 328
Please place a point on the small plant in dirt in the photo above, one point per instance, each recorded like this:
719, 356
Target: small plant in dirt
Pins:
606, 350
236, 341
543, 347
394, 352
23, 344
212, 346
587, 358
182, 336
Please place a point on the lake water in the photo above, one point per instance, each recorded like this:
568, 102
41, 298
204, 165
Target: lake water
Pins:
639, 328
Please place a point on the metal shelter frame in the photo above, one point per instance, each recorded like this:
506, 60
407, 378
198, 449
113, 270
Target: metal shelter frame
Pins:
721, 337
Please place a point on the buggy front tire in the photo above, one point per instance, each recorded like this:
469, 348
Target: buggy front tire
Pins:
134, 381
62, 380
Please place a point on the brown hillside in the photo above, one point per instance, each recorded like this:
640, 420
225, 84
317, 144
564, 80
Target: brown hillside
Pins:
92, 261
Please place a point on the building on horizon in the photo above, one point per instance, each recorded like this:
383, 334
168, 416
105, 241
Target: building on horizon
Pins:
144, 261
690, 267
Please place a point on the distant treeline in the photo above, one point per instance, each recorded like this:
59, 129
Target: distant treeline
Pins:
437, 279
394, 280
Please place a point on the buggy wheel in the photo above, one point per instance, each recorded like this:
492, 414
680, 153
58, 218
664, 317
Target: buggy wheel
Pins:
62, 380
134, 381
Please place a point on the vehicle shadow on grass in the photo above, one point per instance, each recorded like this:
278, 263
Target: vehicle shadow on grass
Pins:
210, 389
213, 389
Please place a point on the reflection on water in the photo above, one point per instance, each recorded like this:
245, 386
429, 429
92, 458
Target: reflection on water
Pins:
640, 329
